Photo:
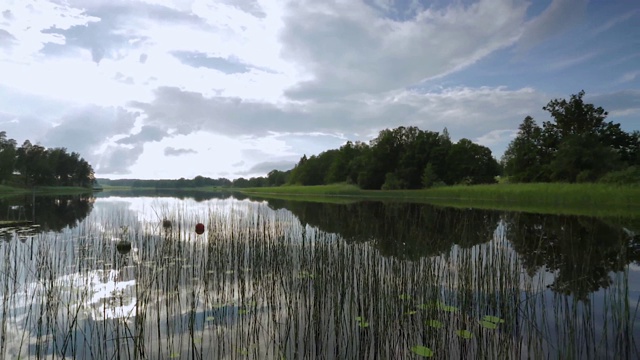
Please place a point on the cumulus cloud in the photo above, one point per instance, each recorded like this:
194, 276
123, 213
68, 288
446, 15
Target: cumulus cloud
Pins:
105, 37
146, 134
85, 130
250, 6
349, 49
6, 39
466, 112
117, 160
198, 59
171, 151
263, 168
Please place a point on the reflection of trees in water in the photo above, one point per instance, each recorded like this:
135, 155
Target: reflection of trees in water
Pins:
582, 251
403, 230
52, 213
177, 194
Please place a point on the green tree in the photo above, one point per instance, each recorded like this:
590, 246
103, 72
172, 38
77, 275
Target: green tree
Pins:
471, 163
582, 142
7, 157
429, 176
523, 159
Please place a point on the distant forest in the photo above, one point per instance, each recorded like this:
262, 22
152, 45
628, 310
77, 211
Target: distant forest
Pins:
35, 165
577, 145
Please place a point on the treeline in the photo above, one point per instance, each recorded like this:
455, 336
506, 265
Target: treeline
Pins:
31, 165
578, 145
275, 178
402, 158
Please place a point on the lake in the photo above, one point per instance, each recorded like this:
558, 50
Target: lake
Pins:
284, 279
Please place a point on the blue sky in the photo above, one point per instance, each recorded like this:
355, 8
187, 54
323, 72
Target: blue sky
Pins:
179, 88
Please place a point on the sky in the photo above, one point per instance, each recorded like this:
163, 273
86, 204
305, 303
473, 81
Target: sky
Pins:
163, 89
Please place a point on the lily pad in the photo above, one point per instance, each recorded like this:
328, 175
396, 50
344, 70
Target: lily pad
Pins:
447, 308
434, 323
488, 324
493, 319
210, 318
405, 297
465, 334
422, 351
409, 313
363, 324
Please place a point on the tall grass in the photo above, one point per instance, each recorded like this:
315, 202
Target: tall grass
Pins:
261, 285
552, 198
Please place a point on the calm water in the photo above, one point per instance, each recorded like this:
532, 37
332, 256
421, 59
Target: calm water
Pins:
299, 280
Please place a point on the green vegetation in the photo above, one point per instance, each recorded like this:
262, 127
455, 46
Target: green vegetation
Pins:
402, 158
554, 198
577, 146
35, 165
7, 191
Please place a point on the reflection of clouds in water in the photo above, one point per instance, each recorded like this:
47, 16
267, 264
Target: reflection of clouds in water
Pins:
104, 292
145, 214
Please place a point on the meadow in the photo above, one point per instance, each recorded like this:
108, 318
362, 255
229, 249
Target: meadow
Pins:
546, 198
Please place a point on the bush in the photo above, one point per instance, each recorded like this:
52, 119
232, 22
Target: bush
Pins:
629, 176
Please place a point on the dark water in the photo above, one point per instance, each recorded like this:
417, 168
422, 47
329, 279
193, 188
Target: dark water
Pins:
286, 279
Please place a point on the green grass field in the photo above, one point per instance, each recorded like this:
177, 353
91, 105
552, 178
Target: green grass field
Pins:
578, 199
40, 190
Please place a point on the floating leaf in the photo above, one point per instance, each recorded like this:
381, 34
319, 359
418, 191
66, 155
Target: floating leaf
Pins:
447, 308
243, 312
359, 318
210, 318
229, 272
409, 313
405, 297
363, 324
465, 334
434, 323
493, 319
422, 351
488, 324
174, 355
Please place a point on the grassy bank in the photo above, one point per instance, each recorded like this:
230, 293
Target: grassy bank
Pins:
579, 199
6, 191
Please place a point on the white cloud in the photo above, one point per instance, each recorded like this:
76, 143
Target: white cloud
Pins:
629, 76
614, 21
28, 20
349, 49
559, 16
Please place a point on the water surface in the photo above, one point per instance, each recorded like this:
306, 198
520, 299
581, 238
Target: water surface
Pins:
294, 280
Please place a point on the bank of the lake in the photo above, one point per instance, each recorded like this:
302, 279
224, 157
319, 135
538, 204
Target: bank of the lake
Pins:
552, 198
43, 190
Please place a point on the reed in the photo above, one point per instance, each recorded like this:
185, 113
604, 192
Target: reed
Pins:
260, 284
